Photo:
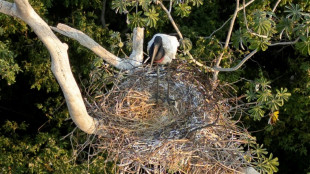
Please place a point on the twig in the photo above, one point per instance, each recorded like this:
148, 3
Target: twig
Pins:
285, 43
239, 65
171, 19
275, 6
218, 28
247, 4
232, 22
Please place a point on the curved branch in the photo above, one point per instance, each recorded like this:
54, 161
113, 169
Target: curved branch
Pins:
285, 43
59, 63
135, 59
237, 66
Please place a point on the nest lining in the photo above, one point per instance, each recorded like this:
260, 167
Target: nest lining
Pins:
191, 134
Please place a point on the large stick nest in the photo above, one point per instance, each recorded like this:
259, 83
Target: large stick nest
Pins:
193, 133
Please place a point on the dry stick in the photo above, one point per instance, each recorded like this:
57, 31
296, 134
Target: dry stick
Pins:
181, 37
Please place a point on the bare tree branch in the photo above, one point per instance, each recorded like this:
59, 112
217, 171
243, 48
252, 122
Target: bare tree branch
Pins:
250, 55
102, 17
247, 4
135, 59
285, 43
8, 8
232, 22
171, 19
237, 66
59, 62
218, 29
275, 6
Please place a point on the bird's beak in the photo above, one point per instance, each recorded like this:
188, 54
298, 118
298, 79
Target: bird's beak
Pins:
155, 50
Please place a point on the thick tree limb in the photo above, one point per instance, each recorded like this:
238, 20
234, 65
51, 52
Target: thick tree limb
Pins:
59, 62
136, 56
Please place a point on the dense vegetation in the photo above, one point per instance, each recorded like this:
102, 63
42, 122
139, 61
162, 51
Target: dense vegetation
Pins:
275, 81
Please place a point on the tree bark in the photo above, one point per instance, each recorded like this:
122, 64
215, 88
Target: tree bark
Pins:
60, 62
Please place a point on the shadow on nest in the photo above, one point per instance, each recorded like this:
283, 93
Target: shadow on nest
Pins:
192, 134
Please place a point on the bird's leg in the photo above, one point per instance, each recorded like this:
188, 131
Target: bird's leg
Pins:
157, 90
168, 88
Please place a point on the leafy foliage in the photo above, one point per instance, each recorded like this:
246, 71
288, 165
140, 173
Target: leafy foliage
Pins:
8, 67
263, 99
285, 103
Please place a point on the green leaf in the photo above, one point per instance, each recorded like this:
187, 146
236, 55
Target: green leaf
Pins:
152, 17
8, 68
250, 95
257, 112
263, 24
304, 45
264, 96
282, 94
239, 39
120, 6
294, 12
136, 20
285, 26
145, 4
183, 10
197, 2
259, 43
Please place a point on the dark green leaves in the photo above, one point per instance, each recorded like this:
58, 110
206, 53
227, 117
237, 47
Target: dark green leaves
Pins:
294, 12
152, 17
136, 20
183, 9
304, 45
260, 93
262, 24
8, 67
120, 6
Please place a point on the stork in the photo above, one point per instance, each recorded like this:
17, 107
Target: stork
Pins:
162, 49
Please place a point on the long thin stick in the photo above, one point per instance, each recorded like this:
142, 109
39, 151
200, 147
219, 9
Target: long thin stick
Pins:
232, 22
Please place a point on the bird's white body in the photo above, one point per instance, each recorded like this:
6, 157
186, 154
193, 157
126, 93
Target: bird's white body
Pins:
170, 45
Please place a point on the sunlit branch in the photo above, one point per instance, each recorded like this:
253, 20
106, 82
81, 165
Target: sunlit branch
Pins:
275, 6
232, 22
237, 66
285, 43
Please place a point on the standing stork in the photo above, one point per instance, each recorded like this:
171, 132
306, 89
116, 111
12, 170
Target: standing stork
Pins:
162, 49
